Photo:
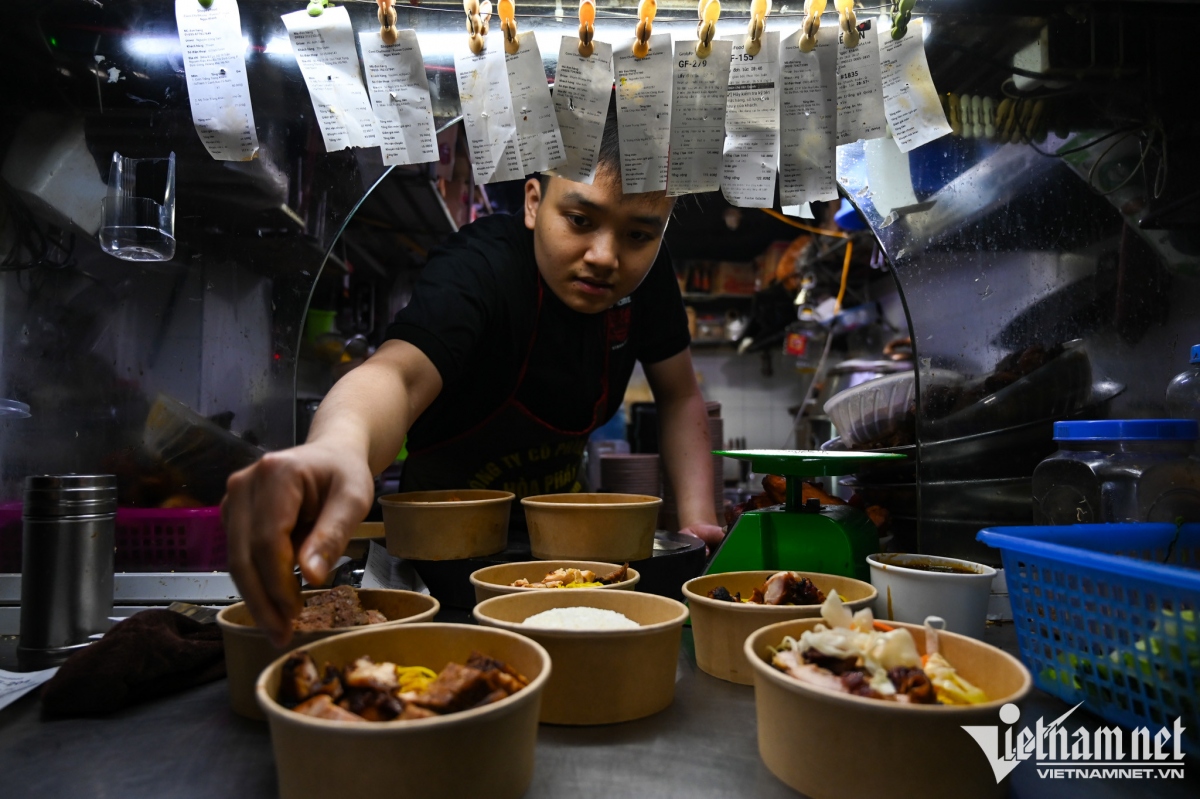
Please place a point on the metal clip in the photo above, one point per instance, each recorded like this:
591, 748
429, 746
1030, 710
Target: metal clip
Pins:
813, 9
901, 15
508, 25
587, 28
387, 21
647, 9
849, 22
478, 15
709, 12
759, 9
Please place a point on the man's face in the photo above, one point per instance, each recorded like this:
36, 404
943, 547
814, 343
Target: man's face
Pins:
593, 244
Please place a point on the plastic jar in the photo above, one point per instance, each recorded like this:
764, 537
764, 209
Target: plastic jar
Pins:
1135, 470
1183, 392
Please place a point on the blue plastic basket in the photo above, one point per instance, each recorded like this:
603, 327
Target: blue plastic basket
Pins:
1109, 614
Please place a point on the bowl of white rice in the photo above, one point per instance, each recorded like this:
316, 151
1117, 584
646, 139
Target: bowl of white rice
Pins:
614, 653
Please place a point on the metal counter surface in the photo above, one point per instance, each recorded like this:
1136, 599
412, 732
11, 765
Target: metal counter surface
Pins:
704, 745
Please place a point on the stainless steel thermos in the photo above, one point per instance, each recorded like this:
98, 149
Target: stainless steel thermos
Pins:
66, 566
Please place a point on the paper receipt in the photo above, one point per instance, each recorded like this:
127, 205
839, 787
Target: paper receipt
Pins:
910, 99
399, 93
538, 137
582, 87
328, 60
859, 94
752, 124
214, 62
644, 114
488, 111
700, 87
807, 120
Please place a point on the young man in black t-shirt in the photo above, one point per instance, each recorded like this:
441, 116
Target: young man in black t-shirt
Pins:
519, 341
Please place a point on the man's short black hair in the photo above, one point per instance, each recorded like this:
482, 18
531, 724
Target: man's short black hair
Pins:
609, 158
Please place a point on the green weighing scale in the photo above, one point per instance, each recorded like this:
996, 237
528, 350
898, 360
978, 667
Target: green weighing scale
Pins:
830, 539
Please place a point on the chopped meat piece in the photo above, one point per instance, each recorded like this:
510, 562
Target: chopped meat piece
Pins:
620, 575
721, 594
829, 662
758, 595
784, 588
456, 688
815, 491
412, 711
494, 696
857, 682
372, 704
299, 679
912, 685
322, 707
337, 607
366, 673
775, 488
521, 582
499, 675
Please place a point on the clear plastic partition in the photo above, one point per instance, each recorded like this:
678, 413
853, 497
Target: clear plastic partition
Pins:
1040, 281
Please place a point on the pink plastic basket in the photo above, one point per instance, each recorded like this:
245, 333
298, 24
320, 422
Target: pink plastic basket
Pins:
147, 539
170, 539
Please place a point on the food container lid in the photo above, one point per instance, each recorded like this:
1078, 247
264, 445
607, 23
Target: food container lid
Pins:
1128, 430
1196, 353
57, 495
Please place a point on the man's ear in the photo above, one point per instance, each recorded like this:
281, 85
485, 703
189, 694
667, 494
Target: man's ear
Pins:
533, 201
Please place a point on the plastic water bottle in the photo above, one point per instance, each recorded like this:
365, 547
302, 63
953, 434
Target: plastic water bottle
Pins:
1183, 392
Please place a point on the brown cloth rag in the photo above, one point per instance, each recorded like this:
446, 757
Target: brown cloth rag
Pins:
150, 654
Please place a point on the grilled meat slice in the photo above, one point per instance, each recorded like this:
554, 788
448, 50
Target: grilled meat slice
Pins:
371, 704
784, 588
858, 682
322, 707
456, 688
617, 576
498, 674
299, 679
912, 685
830, 663
412, 711
721, 594
366, 673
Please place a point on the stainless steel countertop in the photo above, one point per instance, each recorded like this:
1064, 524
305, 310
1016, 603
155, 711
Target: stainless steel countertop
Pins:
704, 746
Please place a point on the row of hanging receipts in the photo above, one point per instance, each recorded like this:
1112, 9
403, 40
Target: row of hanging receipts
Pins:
732, 121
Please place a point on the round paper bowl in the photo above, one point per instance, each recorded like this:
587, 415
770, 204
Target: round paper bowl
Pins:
497, 580
911, 594
831, 746
600, 676
446, 525
720, 628
485, 751
608, 527
248, 651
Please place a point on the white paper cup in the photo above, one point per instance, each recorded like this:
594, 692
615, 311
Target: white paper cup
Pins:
908, 593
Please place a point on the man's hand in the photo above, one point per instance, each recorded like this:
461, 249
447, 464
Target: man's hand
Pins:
295, 506
710, 534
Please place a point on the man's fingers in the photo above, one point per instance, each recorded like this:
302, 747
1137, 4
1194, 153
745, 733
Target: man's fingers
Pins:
275, 505
344, 508
236, 516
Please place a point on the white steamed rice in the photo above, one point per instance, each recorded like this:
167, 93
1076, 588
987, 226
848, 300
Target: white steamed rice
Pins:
580, 619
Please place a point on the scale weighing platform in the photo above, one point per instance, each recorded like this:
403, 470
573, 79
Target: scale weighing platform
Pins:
799, 536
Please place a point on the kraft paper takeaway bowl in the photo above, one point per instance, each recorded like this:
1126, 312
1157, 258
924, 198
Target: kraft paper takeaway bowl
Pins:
248, 651
498, 580
446, 525
485, 751
829, 745
600, 676
609, 527
720, 628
